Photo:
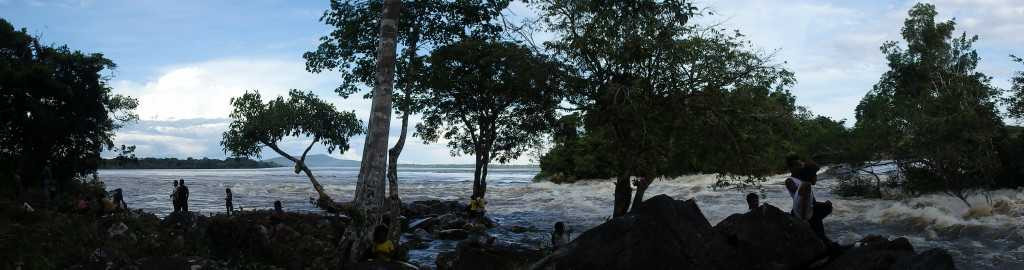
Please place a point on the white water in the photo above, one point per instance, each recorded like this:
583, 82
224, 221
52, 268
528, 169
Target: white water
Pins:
985, 237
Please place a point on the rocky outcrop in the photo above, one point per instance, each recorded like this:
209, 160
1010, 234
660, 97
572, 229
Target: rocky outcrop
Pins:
664, 233
661, 234
768, 238
876, 252
470, 255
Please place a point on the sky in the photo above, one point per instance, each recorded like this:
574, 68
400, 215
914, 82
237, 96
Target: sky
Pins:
185, 59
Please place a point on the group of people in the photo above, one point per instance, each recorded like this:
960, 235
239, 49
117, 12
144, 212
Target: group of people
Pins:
179, 196
105, 203
803, 176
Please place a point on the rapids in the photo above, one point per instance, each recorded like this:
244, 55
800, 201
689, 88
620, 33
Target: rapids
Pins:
987, 236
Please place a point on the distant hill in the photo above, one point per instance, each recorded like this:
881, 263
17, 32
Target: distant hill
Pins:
189, 163
317, 160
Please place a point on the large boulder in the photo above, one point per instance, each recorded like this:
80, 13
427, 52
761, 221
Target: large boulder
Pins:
768, 238
876, 252
471, 255
662, 233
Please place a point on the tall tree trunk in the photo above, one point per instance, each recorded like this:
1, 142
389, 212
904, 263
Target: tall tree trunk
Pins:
393, 198
641, 187
623, 194
477, 171
369, 197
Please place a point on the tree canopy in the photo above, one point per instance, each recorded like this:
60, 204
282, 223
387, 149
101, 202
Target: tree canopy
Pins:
57, 112
491, 99
933, 110
256, 124
664, 97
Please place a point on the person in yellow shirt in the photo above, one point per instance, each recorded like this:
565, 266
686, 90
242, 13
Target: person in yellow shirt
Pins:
477, 206
383, 249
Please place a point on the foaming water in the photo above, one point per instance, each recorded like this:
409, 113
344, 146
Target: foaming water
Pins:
985, 236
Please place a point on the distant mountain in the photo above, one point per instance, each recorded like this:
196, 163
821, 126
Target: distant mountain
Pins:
317, 160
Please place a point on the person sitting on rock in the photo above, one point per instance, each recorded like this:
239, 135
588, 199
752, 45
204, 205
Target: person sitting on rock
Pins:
559, 237
277, 207
753, 201
228, 205
383, 249
477, 206
806, 207
119, 203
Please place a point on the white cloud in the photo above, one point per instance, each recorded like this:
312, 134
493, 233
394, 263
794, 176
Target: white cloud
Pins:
204, 90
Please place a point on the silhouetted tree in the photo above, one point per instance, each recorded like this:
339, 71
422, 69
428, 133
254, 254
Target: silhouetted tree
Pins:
256, 125
490, 99
933, 111
1016, 100
654, 89
57, 112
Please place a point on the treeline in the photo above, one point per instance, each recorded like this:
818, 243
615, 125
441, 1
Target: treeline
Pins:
932, 116
189, 163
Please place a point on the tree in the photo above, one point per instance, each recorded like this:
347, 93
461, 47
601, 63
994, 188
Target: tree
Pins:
256, 125
57, 113
1016, 100
653, 89
369, 197
936, 113
352, 48
490, 99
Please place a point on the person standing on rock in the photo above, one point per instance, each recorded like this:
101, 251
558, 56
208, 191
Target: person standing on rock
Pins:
174, 197
227, 201
119, 203
559, 237
183, 195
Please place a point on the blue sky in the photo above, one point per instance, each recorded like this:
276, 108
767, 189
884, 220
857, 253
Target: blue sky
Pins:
184, 59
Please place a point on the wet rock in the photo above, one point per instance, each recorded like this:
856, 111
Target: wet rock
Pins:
873, 252
662, 233
117, 229
450, 221
422, 234
934, 259
470, 255
431, 208
768, 238
384, 266
422, 223
452, 234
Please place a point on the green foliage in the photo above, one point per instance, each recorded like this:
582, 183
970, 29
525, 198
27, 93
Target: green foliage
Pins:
57, 112
190, 163
351, 47
664, 97
1016, 100
932, 110
256, 124
490, 99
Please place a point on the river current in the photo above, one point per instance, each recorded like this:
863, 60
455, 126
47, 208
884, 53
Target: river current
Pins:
989, 235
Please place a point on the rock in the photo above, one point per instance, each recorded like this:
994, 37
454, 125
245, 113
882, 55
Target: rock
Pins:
662, 233
422, 234
431, 208
384, 266
117, 229
469, 255
875, 252
450, 221
452, 234
934, 259
768, 238
423, 223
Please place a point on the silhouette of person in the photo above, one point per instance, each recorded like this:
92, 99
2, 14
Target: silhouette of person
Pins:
119, 203
227, 201
183, 195
174, 197
277, 207
559, 237
753, 201
382, 246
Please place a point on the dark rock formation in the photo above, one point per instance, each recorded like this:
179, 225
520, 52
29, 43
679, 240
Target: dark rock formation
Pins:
768, 238
431, 208
661, 234
472, 256
876, 252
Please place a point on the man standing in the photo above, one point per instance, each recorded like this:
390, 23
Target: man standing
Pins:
227, 201
174, 197
183, 195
